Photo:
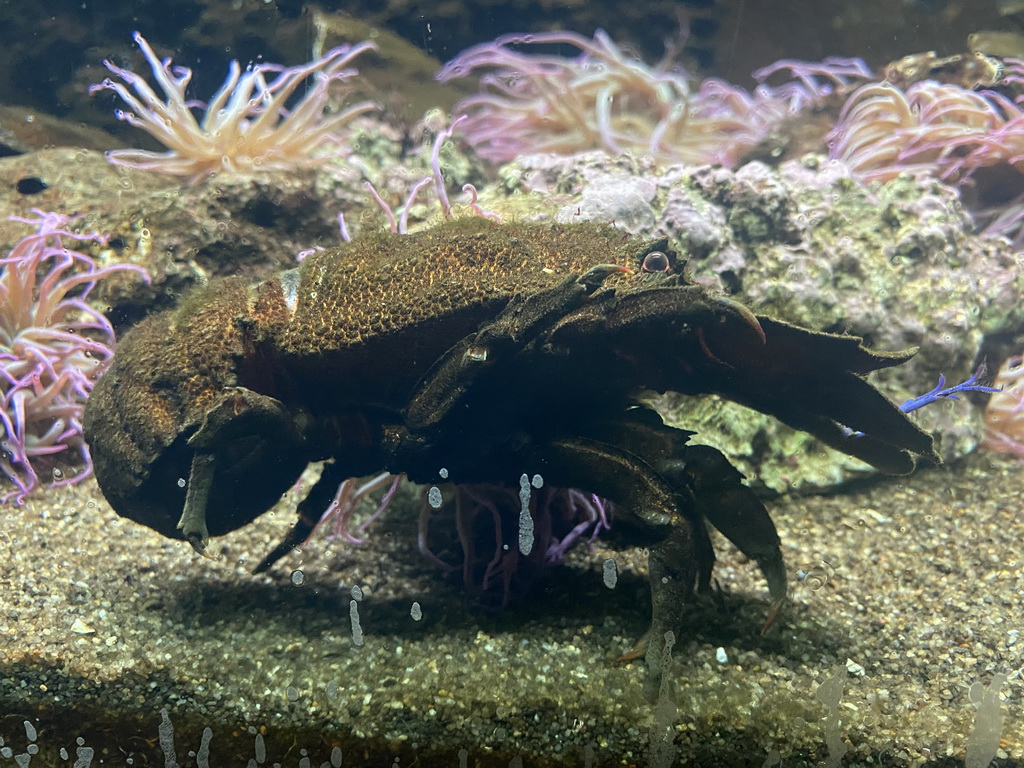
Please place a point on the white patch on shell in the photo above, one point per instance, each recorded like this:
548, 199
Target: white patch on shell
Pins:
290, 288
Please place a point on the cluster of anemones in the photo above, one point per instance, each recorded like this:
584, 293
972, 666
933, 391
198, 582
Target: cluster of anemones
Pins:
947, 131
606, 99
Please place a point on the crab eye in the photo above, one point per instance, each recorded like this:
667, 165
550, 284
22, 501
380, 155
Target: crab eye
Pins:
656, 261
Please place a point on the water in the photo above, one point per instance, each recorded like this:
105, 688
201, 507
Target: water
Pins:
440, 639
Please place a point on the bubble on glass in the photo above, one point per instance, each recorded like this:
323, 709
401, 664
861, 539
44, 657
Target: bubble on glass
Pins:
298, 577
357, 630
336, 757
64, 754
165, 735
332, 690
357, 592
261, 749
292, 693
443, 473
32, 749
181, 482
416, 612
434, 497
537, 482
817, 576
610, 573
58, 473
203, 755
525, 519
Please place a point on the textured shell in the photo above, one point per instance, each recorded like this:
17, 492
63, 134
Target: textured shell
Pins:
355, 327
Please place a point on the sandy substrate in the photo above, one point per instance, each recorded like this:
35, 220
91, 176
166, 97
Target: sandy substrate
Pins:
911, 589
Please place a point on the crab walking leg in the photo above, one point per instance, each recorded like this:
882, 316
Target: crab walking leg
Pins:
684, 550
308, 514
241, 432
719, 496
193, 517
724, 501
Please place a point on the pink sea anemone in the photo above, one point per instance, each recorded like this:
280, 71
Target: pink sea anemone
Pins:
934, 128
1004, 415
487, 521
972, 139
606, 99
53, 348
248, 124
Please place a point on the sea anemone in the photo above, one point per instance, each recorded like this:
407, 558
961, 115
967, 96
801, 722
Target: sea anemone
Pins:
606, 99
247, 125
53, 348
493, 557
1004, 415
930, 128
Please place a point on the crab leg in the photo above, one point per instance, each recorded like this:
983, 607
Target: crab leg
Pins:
683, 555
719, 495
238, 434
193, 518
724, 501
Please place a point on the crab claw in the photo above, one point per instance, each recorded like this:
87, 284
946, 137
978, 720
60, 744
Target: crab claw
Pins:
745, 314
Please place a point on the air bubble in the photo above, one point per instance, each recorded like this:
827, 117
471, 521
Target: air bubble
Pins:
434, 497
298, 578
181, 482
443, 473
525, 519
416, 612
611, 573
292, 693
357, 592
817, 577
261, 749
357, 630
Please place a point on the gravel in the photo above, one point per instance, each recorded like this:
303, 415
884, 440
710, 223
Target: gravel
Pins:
905, 592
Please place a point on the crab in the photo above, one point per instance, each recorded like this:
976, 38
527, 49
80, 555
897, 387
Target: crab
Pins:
490, 350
